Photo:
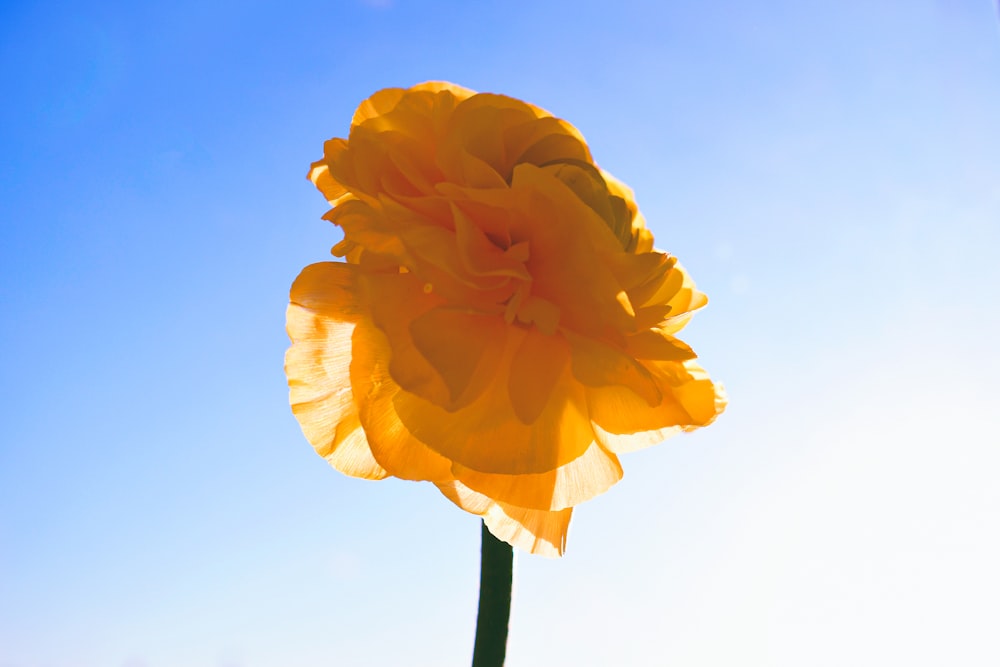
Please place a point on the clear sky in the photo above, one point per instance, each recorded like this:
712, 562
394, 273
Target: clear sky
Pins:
829, 172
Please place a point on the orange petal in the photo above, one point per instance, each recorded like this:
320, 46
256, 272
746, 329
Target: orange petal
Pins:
655, 344
649, 317
482, 257
318, 368
555, 139
585, 180
623, 422
432, 252
641, 240
363, 167
496, 131
392, 444
467, 499
381, 102
328, 288
633, 271
567, 241
598, 364
472, 171
412, 176
491, 219
457, 91
365, 226
349, 451
538, 311
676, 289
487, 434
460, 345
536, 531
538, 364
578, 481
396, 300
319, 174
473, 151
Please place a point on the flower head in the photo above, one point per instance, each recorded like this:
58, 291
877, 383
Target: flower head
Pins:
501, 325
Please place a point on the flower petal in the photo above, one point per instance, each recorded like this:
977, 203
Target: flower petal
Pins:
624, 422
567, 241
539, 362
482, 257
396, 299
461, 346
598, 364
319, 174
675, 289
536, 531
655, 344
329, 289
392, 444
318, 368
382, 102
578, 481
488, 436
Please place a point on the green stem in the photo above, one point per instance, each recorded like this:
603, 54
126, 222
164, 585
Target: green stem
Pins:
495, 576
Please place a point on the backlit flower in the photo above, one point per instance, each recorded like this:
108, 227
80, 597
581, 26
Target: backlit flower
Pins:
501, 325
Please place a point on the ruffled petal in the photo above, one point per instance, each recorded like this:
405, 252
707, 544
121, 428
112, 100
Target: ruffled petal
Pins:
538, 364
382, 102
481, 256
396, 299
487, 434
319, 174
536, 531
392, 444
624, 422
318, 368
464, 347
675, 289
578, 481
655, 344
598, 364
567, 240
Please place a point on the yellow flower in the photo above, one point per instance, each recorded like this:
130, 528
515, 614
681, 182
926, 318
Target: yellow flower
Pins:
501, 327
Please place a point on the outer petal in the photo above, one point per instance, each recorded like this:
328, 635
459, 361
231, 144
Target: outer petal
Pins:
675, 289
655, 344
598, 364
380, 103
318, 368
319, 174
624, 422
535, 531
578, 481
459, 92
392, 443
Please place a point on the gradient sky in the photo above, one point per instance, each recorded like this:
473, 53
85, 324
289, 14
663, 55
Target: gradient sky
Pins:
829, 172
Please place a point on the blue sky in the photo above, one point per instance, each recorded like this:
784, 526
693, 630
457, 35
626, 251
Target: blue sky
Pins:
827, 171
